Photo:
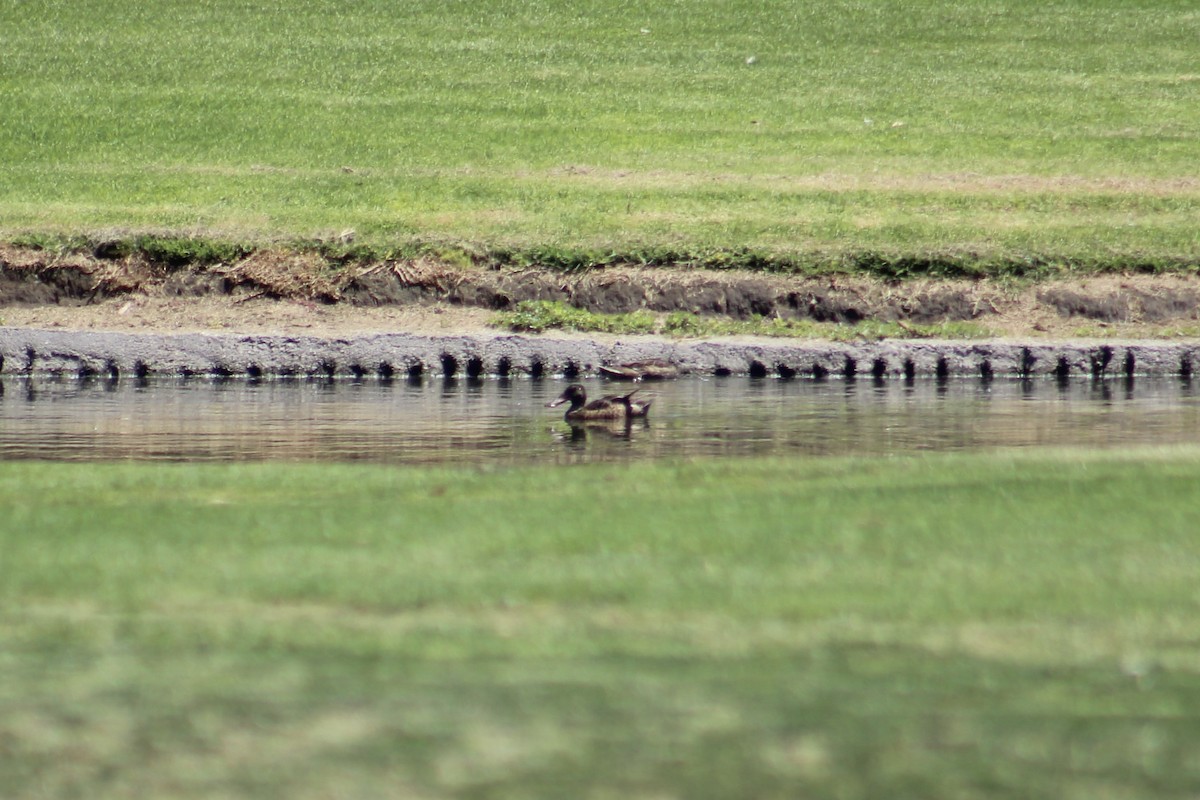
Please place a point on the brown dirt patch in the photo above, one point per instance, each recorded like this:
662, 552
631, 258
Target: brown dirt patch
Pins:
284, 291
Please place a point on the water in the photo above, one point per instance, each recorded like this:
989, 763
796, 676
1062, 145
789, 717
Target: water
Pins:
506, 422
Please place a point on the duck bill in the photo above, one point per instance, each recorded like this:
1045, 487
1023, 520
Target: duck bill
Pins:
556, 403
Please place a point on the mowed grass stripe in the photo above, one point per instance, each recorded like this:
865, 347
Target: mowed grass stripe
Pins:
508, 125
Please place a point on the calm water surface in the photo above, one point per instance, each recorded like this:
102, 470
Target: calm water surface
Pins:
506, 422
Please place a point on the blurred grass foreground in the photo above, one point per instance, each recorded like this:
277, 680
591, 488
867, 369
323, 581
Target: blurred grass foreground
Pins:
997, 625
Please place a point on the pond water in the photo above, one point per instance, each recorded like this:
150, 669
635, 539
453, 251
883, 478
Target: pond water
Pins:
506, 421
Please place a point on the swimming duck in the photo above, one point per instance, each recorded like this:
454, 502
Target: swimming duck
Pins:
613, 406
653, 369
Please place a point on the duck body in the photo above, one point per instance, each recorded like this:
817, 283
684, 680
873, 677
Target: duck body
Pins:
613, 406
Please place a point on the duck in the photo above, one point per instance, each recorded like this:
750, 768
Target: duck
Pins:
652, 369
613, 406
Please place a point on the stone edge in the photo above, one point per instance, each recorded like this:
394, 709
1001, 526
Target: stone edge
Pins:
28, 351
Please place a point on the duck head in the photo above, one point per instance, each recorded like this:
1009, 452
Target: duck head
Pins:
574, 394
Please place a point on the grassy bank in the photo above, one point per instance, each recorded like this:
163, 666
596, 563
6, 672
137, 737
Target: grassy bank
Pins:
951, 626
538, 316
996, 133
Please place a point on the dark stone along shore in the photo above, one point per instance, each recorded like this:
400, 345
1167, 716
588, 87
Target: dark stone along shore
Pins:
86, 353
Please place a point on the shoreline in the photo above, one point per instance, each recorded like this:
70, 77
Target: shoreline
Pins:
114, 354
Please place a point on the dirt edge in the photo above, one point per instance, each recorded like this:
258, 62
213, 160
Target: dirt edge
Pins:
98, 289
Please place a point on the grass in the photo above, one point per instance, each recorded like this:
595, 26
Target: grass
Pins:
991, 135
995, 625
542, 315
537, 316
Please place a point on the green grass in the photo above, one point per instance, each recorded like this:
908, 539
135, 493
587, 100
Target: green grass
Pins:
541, 315
998, 134
1004, 625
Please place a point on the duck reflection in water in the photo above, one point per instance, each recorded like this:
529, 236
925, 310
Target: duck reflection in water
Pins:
581, 434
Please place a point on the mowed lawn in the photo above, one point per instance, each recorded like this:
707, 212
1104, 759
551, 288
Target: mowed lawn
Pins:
999, 625
811, 132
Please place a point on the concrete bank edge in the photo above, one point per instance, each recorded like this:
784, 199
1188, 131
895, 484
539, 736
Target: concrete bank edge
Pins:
28, 351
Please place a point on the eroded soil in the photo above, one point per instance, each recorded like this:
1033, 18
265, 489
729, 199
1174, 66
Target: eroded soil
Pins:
287, 291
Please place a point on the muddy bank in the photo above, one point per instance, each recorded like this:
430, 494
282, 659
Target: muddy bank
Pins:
117, 355
33, 278
292, 313
1129, 306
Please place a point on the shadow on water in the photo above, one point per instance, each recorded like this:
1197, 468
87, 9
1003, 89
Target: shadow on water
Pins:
464, 419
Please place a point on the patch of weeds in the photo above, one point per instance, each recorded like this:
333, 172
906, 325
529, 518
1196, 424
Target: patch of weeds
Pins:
450, 255
51, 242
562, 259
891, 266
453, 254
901, 267
536, 316
681, 323
539, 316
745, 258
1094, 332
685, 325
1182, 332
112, 248
179, 252
346, 249
871, 329
1014, 267
1159, 266
568, 259
345, 252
